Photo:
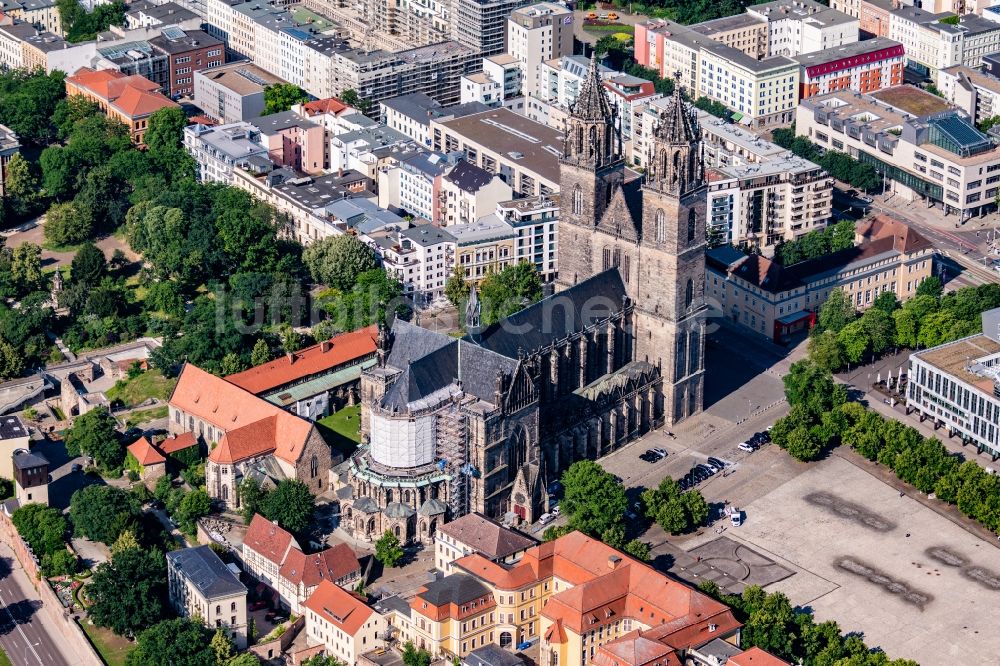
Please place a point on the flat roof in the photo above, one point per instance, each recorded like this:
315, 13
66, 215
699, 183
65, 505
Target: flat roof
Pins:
846, 51
11, 427
975, 76
737, 57
912, 100
486, 228
535, 146
955, 357
727, 23
243, 78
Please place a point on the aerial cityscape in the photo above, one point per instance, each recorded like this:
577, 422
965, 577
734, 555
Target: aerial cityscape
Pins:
499, 333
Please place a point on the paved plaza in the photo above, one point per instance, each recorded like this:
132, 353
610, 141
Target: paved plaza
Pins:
915, 583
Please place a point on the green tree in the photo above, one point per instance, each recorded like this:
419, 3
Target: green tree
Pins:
28, 100
26, 268
125, 541
166, 130
22, 185
696, 506
836, 312
879, 328
509, 291
222, 646
290, 504
11, 361
665, 506
351, 98
456, 289
45, 530
854, 340
637, 549
231, 364
825, 351
282, 96
337, 261
250, 659
261, 353
128, 591
67, 224
372, 298
886, 302
94, 434
193, 506
89, 266
388, 551
414, 657
177, 642
931, 286
252, 497
103, 513
594, 502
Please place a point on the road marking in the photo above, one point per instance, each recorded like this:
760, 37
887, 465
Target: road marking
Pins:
20, 630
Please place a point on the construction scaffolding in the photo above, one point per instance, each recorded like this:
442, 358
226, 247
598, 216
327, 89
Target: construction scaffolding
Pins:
453, 447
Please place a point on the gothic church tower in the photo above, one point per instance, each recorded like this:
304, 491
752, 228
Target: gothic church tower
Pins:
659, 256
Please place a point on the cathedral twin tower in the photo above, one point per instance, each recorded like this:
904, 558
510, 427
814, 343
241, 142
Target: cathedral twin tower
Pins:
653, 232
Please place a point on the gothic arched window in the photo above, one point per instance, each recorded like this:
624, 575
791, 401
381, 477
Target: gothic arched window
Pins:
660, 224
677, 166
688, 294
313, 467
579, 140
577, 201
593, 140
692, 221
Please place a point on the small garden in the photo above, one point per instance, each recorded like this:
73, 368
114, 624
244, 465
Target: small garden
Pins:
342, 429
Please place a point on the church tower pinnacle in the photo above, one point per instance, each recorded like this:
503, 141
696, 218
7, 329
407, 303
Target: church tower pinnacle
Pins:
675, 164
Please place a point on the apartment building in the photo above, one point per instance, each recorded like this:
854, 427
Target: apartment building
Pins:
273, 557
765, 204
779, 302
932, 44
864, 67
342, 623
761, 92
202, 586
875, 16
468, 193
10, 145
674, 50
525, 154
369, 148
43, 15
536, 220
232, 93
293, 141
477, 534
956, 385
148, 15
482, 24
796, 27
536, 34
926, 149
483, 247
24, 46
413, 184
971, 90
559, 84
130, 99
420, 257
219, 150
412, 114
746, 32
186, 52
309, 201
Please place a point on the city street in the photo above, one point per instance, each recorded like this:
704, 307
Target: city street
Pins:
23, 635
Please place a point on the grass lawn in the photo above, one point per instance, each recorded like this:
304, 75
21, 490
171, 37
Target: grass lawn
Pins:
342, 430
113, 648
4, 660
145, 416
150, 384
627, 29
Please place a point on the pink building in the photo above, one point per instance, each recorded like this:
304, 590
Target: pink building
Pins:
293, 141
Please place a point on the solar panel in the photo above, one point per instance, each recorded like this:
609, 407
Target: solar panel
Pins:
172, 32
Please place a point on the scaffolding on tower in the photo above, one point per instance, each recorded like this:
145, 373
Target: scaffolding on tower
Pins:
452, 434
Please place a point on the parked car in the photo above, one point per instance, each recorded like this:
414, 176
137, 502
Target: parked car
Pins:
546, 518
660, 452
649, 457
708, 470
555, 510
736, 516
747, 446
718, 463
75, 467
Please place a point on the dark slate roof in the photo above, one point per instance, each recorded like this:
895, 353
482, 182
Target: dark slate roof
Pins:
11, 427
458, 588
27, 460
206, 572
468, 177
416, 106
492, 655
411, 342
557, 316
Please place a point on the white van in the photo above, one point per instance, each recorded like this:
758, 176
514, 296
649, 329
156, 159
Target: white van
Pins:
736, 517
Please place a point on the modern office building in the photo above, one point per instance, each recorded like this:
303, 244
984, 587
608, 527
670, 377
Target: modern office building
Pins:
956, 386
536, 34
232, 93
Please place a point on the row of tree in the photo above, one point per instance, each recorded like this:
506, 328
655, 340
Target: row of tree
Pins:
840, 165
45, 530
928, 319
771, 623
821, 417
815, 244
501, 293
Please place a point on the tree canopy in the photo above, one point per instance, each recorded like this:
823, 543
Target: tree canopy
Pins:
337, 261
45, 529
282, 96
129, 591
103, 513
290, 503
512, 289
177, 642
594, 502
94, 434
673, 510
388, 550
818, 243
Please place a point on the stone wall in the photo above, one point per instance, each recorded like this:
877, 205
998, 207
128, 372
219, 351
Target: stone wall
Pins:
54, 615
275, 648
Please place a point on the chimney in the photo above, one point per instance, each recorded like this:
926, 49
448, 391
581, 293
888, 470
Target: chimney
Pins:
613, 561
291, 357
324, 346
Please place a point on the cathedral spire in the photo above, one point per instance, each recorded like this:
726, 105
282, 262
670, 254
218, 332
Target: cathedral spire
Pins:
678, 124
592, 140
592, 102
675, 160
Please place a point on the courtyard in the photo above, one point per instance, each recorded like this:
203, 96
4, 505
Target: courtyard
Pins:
918, 585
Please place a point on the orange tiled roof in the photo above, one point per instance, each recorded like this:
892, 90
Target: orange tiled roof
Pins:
339, 607
755, 657
327, 105
176, 443
331, 564
906, 239
324, 356
136, 102
145, 452
132, 94
268, 539
252, 426
635, 649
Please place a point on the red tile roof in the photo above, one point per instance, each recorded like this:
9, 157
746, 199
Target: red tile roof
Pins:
252, 426
325, 356
175, 443
906, 239
328, 105
331, 564
145, 452
268, 539
755, 657
486, 537
134, 95
136, 103
339, 607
